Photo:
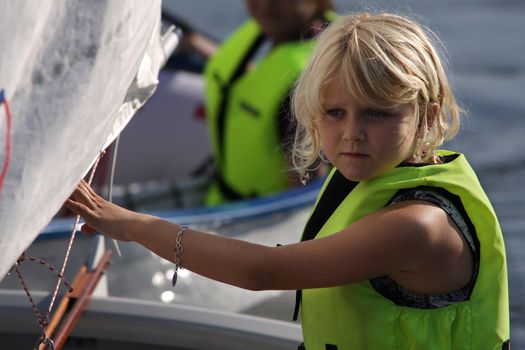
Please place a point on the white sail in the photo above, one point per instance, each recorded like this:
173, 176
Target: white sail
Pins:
74, 72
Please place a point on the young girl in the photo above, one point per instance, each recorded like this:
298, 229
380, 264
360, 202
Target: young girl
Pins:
403, 249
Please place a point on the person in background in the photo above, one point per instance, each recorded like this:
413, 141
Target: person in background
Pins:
247, 86
403, 249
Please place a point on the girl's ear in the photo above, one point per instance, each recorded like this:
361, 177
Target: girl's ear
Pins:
433, 112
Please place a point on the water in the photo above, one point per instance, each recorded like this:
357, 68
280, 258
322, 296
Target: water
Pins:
485, 43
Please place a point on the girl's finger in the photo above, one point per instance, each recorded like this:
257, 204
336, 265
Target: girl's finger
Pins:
88, 229
76, 207
88, 188
82, 194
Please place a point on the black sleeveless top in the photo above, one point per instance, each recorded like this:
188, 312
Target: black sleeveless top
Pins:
404, 297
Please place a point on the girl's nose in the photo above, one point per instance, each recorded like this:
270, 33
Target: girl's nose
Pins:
354, 129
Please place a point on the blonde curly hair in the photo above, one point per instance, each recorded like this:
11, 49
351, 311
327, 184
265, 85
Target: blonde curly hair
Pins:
384, 60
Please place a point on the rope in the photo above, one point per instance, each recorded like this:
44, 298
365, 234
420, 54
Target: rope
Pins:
110, 188
43, 320
7, 158
70, 244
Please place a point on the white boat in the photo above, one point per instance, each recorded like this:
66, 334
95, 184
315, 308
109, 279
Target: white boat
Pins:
131, 324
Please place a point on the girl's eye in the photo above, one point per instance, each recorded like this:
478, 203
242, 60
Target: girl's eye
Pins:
377, 113
335, 113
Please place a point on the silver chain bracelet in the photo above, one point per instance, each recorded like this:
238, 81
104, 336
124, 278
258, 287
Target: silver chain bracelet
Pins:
178, 252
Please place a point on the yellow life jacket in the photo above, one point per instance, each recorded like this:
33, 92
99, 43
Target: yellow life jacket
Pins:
356, 316
242, 113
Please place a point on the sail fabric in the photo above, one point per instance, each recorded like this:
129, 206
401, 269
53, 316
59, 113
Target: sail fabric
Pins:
74, 73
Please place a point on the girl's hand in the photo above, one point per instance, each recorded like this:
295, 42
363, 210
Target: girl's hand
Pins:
101, 215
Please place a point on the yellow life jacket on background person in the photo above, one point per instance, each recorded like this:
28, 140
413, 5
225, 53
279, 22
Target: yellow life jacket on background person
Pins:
356, 316
242, 107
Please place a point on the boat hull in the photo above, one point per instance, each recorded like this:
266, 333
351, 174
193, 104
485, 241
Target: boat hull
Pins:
120, 323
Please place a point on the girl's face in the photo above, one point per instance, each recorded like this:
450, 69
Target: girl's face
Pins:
363, 141
283, 20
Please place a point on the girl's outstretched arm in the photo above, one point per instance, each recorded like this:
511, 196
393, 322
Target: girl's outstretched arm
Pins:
412, 241
220, 258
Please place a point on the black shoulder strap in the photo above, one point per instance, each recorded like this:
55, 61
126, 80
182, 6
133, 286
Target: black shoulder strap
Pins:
335, 192
225, 87
225, 91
